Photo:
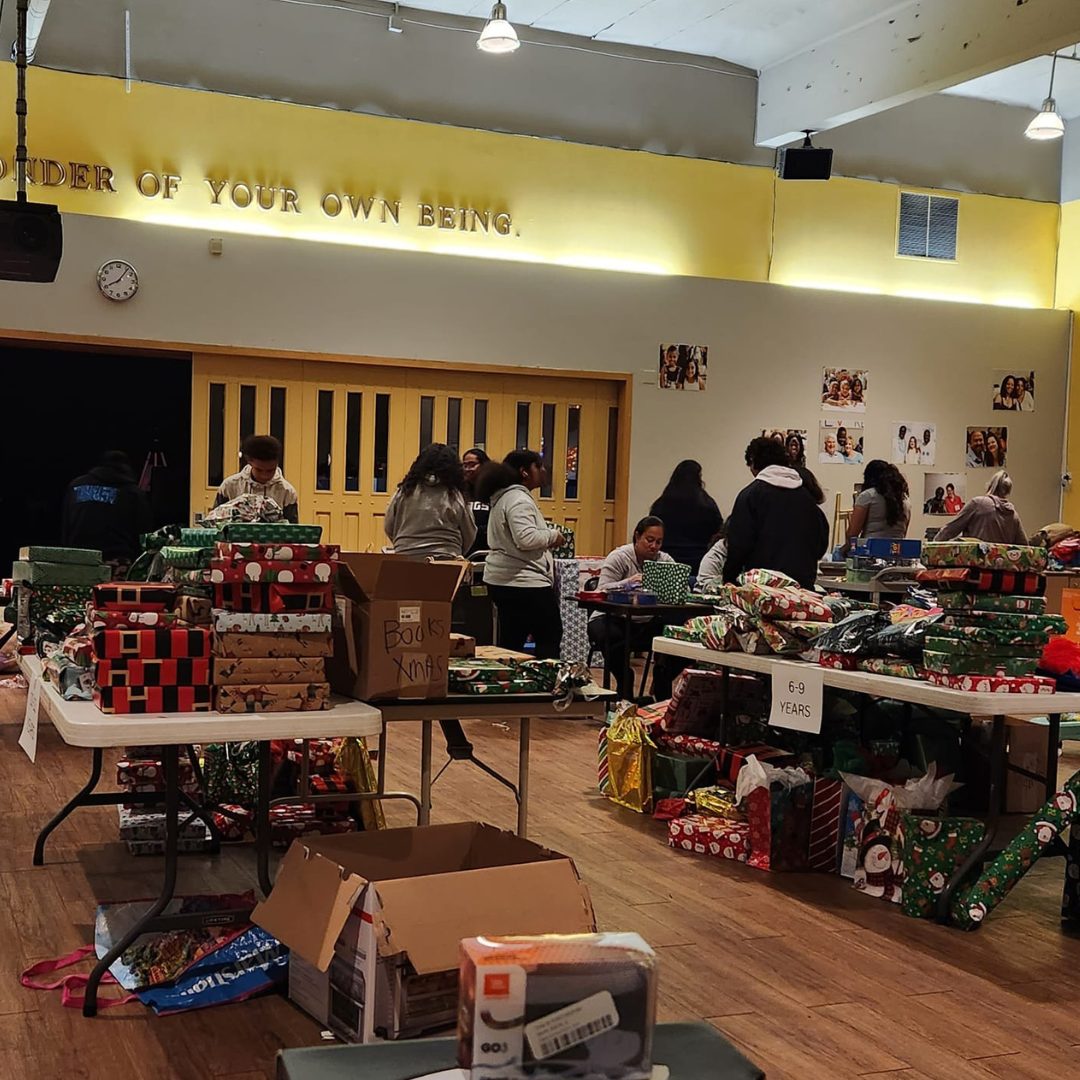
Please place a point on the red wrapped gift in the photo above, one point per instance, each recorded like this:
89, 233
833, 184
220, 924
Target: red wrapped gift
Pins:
696, 704
779, 820
321, 572
79, 649
283, 833
281, 552
150, 699
233, 822
322, 754
961, 579
134, 596
131, 620
731, 759
692, 745
260, 598
185, 672
825, 817
994, 684
707, 835
838, 661
134, 775
182, 644
328, 785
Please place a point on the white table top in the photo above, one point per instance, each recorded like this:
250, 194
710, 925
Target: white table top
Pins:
82, 723
883, 686
888, 585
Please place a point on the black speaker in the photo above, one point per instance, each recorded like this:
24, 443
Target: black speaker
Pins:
804, 163
31, 241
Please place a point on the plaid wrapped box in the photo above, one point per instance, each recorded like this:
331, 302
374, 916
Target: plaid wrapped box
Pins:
1014, 583
1006, 620
148, 774
329, 785
199, 537
266, 669
826, 817
195, 610
289, 622
976, 664
189, 642
187, 558
223, 571
131, 620
271, 697
69, 556
994, 684
132, 673
983, 556
135, 596
233, 822
43, 573
277, 645
151, 699
705, 835
258, 532
731, 760
276, 598
280, 552
974, 602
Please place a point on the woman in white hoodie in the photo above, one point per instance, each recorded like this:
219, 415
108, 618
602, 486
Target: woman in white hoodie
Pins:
519, 570
428, 517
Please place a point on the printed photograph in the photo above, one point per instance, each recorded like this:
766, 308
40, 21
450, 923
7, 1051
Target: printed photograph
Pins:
987, 447
1014, 391
944, 493
794, 441
914, 443
683, 367
841, 442
844, 390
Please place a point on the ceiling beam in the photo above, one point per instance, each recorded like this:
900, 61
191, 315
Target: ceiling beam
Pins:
913, 50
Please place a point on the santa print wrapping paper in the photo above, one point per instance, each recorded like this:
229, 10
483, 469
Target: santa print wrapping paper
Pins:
825, 816
979, 664
271, 697
934, 849
185, 672
707, 835
971, 905
791, 605
134, 774
239, 596
288, 573
134, 596
238, 622
994, 684
276, 645
696, 704
779, 819
1007, 621
132, 620
984, 581
151, 644
838, 661
147, 699
988, 635
687, 744
280, 552
983, 556
265, 669
978, 602
329, 785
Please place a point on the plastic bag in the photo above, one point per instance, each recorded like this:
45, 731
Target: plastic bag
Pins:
905, 639
850, 635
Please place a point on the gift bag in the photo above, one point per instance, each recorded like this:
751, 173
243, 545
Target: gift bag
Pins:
231, 772
934, 849
778, 808
629, 752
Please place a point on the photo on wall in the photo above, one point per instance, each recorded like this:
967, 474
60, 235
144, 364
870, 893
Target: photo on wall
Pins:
794, 441
987, 447
1014, 391
683, 367
944, 493
914, 442
844, 390
841, 442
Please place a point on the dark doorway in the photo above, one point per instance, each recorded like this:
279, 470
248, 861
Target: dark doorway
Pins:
62, 409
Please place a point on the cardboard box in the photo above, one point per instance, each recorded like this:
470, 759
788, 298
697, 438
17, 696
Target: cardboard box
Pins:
392, 634
366, 900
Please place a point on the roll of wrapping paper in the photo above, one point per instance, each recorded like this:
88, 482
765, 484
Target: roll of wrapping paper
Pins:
354, 761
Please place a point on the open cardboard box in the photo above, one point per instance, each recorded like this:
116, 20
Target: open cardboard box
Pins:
392, 634
374, 920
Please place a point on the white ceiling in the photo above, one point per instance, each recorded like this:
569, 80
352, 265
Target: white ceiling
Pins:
1027, 84
754, 33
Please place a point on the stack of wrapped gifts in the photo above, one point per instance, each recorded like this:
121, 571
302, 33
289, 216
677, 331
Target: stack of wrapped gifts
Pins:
994, 627
272, 605
52, 585
145, 658
142, 824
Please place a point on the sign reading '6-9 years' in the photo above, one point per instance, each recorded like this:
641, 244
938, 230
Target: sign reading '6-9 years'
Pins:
797, 698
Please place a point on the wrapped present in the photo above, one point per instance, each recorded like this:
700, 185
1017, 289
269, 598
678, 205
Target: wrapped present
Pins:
186, 846
79, 649
972, 602
187, 558
131, 620
669, 580
676, 774
231, 773
280, 552
684, 633
826, 819
934, 849
705, 835
1014, 583
257, 597
233, 822
984, 556
716, 802
72, 682
788, 605
150, 825
267, 570
772, 579
496, 687
1006, 621
173, 644
329, 785
290, 622
195, 610
898, 669
988, 635
176, 576
283, 833
977, 664
44, 573
322, 754
477, 669
805, 631
732, 759
199, 537
994, 684
685, 744
838, 661
153, 699
268, 669
962, 646
131, 673
64, 555
258, 532
276, 645
629, 756
779, 805
697, 702
148, 774
135, 596
273, 697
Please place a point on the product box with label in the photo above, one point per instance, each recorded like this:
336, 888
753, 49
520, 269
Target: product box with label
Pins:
392, 633
372, 954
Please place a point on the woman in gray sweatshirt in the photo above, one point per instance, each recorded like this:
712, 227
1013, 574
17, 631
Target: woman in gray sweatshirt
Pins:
428, 518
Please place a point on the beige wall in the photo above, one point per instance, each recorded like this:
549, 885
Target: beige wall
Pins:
929, 361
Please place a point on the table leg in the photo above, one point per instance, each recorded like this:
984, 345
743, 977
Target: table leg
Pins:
425, 772
1053, 737
382, 755
628, 652
523, 776
262, 820
77, 800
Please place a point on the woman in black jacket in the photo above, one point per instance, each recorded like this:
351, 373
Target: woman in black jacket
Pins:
690, 515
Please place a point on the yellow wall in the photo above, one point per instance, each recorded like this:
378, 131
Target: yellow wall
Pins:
1068, 296
569, 204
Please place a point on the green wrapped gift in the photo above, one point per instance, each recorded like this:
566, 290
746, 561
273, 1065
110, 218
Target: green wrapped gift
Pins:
979, 664
1007, 620
187, 558
898, 669
989, 635
984, 556
676, 774
496, 687
199, 537
683, 633
259, 532
67, 556
964, 601
669, 580
45, 573
964, 647
934, 849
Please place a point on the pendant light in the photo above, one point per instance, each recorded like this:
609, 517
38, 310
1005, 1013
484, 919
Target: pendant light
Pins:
1047, 123
498, 36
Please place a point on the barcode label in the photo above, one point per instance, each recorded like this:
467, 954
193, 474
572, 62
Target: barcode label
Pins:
573, 1025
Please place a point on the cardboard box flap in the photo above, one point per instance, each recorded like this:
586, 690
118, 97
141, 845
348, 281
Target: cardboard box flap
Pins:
311, 900
365, 576
427, 919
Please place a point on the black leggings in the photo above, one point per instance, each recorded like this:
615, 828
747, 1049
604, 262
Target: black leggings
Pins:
527, 612
608, 634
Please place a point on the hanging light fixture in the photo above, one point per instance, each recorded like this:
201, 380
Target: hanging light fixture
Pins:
1047, 123
498, 36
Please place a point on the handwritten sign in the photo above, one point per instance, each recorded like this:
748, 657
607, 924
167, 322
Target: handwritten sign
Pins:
797, 698
28, 738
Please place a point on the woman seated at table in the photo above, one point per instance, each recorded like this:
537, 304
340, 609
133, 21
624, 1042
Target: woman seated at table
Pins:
622, 569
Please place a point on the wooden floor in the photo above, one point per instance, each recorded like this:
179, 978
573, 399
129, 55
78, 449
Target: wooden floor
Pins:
808, 977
